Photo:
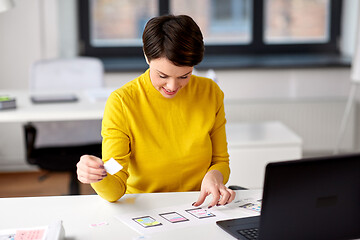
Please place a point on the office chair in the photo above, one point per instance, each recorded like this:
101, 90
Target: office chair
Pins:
58, 146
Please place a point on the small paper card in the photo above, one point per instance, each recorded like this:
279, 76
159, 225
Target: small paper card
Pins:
147, 221
35, 234
174, 217
112, 166
200, 213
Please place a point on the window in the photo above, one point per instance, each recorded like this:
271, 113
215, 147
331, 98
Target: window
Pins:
222, 22
119, 23
294, 21
112, 29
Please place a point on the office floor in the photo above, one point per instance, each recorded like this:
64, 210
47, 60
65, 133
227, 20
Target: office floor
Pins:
31, 184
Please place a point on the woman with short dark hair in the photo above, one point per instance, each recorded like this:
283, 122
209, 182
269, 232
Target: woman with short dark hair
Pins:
178, 39
166, 127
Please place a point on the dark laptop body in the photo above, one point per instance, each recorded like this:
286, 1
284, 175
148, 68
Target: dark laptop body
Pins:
315, 198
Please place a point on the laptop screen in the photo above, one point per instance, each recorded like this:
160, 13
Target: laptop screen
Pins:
315, 198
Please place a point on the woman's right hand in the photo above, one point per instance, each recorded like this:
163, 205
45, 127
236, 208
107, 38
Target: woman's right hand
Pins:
90, 169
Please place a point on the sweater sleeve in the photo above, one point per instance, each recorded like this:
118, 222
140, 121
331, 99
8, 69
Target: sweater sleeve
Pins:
220, 156
115, 144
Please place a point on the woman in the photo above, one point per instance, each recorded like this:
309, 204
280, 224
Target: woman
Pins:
166, 127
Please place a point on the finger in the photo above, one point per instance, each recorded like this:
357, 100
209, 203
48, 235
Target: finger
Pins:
91, 174
86, 177
215, 199
83, 180
90, 177
225, 196
83, 169
201, 198
94, 171
87, 181
233, 195
90, 166
92, 161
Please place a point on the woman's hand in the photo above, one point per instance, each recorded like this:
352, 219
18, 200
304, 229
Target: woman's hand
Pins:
212, 184
90, 169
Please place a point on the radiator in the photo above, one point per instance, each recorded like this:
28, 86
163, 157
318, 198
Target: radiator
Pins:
316, 121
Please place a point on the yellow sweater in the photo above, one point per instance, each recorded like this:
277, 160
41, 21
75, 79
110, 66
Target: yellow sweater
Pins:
164, 145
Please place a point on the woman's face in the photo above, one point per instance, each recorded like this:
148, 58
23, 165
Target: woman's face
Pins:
168, 78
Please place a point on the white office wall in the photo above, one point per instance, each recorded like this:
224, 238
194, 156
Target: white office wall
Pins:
19, 43
28, 33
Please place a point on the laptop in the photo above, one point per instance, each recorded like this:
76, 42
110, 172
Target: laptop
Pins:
314, 198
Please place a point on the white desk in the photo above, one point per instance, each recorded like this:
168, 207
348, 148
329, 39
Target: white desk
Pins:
12, 151
78, 212
26, 111
252, 145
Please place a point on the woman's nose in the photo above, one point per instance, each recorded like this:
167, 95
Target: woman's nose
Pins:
172, 85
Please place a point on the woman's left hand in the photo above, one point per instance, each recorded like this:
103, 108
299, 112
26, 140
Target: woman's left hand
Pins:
212, 184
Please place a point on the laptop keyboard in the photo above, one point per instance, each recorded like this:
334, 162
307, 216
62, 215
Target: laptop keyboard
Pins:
249, 233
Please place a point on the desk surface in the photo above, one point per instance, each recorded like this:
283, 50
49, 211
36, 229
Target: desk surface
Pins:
90, 106
78, 212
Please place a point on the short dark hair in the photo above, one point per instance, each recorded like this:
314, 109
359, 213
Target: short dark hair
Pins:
178, 38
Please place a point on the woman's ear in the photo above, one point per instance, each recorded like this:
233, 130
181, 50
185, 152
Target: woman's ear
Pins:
146, 59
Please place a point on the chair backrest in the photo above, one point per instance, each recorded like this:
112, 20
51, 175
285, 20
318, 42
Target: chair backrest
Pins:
67, 74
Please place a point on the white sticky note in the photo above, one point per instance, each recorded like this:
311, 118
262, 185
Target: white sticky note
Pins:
112, 166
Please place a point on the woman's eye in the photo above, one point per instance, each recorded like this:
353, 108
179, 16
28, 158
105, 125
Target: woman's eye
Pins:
162, 76
184, 77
